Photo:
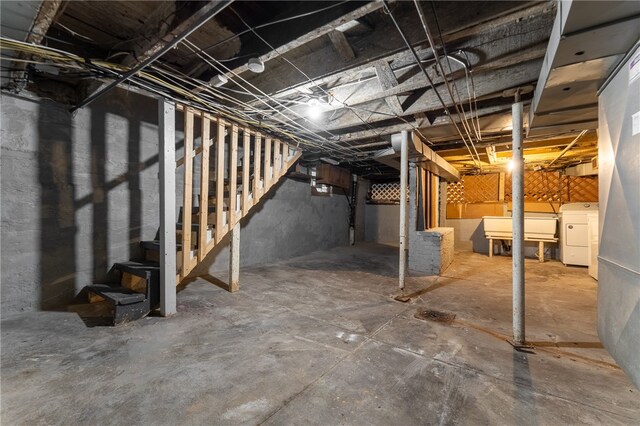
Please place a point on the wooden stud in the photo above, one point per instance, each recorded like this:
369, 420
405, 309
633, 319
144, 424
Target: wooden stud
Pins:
204, 189
246, 155
233, 177
267, 165
277, 165
234, 259
257, 154
220, 182
501, 187
187, 194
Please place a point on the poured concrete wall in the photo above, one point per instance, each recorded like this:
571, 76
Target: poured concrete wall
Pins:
79, 192
382, 223
287, 222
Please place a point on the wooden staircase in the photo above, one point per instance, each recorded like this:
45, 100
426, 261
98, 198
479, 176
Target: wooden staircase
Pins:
227, 168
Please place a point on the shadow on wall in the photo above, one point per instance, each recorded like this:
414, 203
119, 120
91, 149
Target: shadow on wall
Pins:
57, 209
93, 192
480, 243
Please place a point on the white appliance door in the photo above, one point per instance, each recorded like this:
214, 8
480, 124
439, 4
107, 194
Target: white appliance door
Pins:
576, 235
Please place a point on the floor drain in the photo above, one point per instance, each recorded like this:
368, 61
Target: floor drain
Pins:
437, 316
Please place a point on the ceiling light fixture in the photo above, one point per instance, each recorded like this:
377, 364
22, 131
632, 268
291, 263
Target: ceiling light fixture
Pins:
255, 65
219, 80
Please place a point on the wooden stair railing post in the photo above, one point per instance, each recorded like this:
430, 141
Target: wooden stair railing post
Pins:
167, 168
278, 157
220, 181
257, 155
204, 190
267, 166
276, 161
246, 156
187, 195
233, 177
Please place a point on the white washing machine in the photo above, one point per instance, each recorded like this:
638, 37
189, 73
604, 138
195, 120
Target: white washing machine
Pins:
574, 232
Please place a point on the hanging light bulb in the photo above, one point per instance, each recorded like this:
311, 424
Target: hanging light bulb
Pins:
314, 109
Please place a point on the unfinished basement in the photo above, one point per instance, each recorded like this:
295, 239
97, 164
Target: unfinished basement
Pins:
320, 212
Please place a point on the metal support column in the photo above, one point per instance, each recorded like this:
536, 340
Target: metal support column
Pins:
234, 259
167, 151
404, 166
518, 224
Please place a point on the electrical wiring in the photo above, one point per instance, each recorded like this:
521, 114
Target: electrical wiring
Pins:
222, 68
468, 76
418, 61
352, 109
459, 110
170, 84
62, 58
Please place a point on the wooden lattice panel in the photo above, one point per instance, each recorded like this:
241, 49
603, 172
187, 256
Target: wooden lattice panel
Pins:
538, 187
582, 188
384, 193
474, 189
553, 187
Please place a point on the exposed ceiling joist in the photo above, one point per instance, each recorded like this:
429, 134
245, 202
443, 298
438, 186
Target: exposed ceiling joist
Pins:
325, 71
341, 44
486, 84
387, 80
311, 35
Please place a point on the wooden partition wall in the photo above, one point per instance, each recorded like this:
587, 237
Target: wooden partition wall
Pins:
234, 166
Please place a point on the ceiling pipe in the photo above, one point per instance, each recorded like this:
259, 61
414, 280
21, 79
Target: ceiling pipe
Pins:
215, 9
571, 144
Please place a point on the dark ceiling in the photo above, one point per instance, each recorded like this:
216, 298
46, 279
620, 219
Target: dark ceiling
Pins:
348, 58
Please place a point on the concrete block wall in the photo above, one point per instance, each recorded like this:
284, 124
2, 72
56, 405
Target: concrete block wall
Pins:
431, 252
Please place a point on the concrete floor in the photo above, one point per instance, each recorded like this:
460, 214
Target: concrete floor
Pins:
319, 340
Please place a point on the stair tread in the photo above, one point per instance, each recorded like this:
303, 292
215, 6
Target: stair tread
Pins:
140, 269
118, 295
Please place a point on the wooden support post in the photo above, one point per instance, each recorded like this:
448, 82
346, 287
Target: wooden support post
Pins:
433, 206
187, 194
204, 189
246, 156
501, 180
233, 176
220, 182
267, 165
167, 159
234, 259
257, 154
424, 180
